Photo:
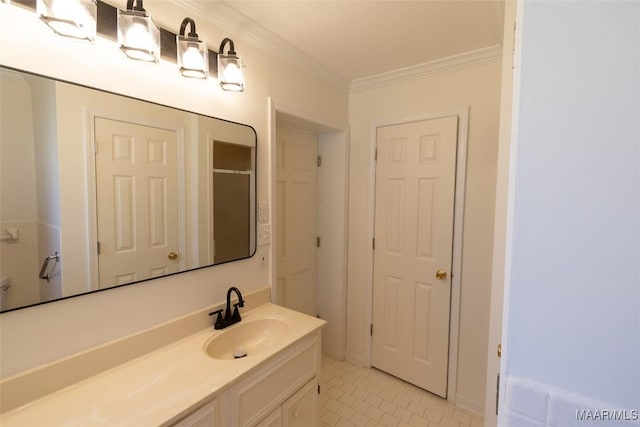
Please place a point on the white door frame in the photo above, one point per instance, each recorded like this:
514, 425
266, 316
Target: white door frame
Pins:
92, 214
458, 221
328, 126
504, 213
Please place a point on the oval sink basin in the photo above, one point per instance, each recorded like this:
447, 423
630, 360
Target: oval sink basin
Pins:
246, 338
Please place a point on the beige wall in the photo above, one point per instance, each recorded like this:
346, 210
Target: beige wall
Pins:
41, 334
479, 88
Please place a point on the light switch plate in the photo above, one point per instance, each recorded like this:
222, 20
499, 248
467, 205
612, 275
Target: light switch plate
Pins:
264, 234
263, 212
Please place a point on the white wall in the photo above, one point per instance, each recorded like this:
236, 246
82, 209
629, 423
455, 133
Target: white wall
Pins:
573, 319
45, 129
37, 335
74, 106
479, 88
17, 159
47, 186
18, 199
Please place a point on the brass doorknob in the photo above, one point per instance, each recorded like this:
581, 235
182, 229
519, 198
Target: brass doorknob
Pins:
441, 274
172, 256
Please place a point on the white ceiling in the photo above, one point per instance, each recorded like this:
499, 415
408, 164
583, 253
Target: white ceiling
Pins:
354, 39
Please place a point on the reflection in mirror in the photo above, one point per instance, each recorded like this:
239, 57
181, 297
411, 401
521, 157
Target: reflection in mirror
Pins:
100, 190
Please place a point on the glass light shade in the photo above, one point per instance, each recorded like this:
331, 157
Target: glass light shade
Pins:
138, 36
231, 73
193, 57
70, 18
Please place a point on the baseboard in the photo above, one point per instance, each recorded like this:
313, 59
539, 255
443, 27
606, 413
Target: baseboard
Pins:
358, 360
470, 405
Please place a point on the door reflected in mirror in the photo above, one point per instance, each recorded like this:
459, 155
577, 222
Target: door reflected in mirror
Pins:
123, 189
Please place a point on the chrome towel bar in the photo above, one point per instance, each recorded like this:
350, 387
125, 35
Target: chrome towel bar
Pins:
45, 265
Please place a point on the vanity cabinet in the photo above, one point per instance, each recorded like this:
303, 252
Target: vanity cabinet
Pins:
300, 410
274, 419
280, 392
203, 417
288, 383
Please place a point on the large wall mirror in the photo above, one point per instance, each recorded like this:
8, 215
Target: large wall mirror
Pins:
101, 190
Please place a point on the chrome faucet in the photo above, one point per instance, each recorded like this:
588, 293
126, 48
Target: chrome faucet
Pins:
229, 319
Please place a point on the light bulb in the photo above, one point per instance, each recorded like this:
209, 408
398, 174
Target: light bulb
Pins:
137, 36
232, 73
192, 59
59, 9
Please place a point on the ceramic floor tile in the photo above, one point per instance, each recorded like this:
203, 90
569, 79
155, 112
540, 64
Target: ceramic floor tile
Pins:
356, 396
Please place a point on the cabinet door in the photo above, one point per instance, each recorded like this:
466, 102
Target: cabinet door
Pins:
260, 393
203, 417
274, 419
301, 409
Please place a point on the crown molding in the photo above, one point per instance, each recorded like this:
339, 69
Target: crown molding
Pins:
229, 19
456, 62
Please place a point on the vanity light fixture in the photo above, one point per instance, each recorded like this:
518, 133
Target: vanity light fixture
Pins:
230, 68
193, 56
70, 18
138, 35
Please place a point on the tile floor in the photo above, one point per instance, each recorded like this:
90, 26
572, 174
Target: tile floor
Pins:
355, 396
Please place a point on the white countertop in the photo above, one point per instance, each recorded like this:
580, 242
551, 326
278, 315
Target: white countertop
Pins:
154, 388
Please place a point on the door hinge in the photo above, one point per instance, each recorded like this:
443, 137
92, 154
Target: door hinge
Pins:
95, 147
318, 388
497, 393
318, 241
319, 161
98, 247
375, 155
373, 244
371, 329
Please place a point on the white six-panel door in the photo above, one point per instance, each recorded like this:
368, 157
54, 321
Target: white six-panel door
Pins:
296, 222
415, 183
137, 201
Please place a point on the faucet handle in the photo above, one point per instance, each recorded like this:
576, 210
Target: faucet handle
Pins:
236, 312
219, 322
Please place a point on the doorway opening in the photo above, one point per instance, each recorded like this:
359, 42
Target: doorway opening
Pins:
309, 163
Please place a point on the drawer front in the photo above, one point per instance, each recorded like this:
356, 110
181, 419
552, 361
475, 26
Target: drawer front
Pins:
259, 394
301, 409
